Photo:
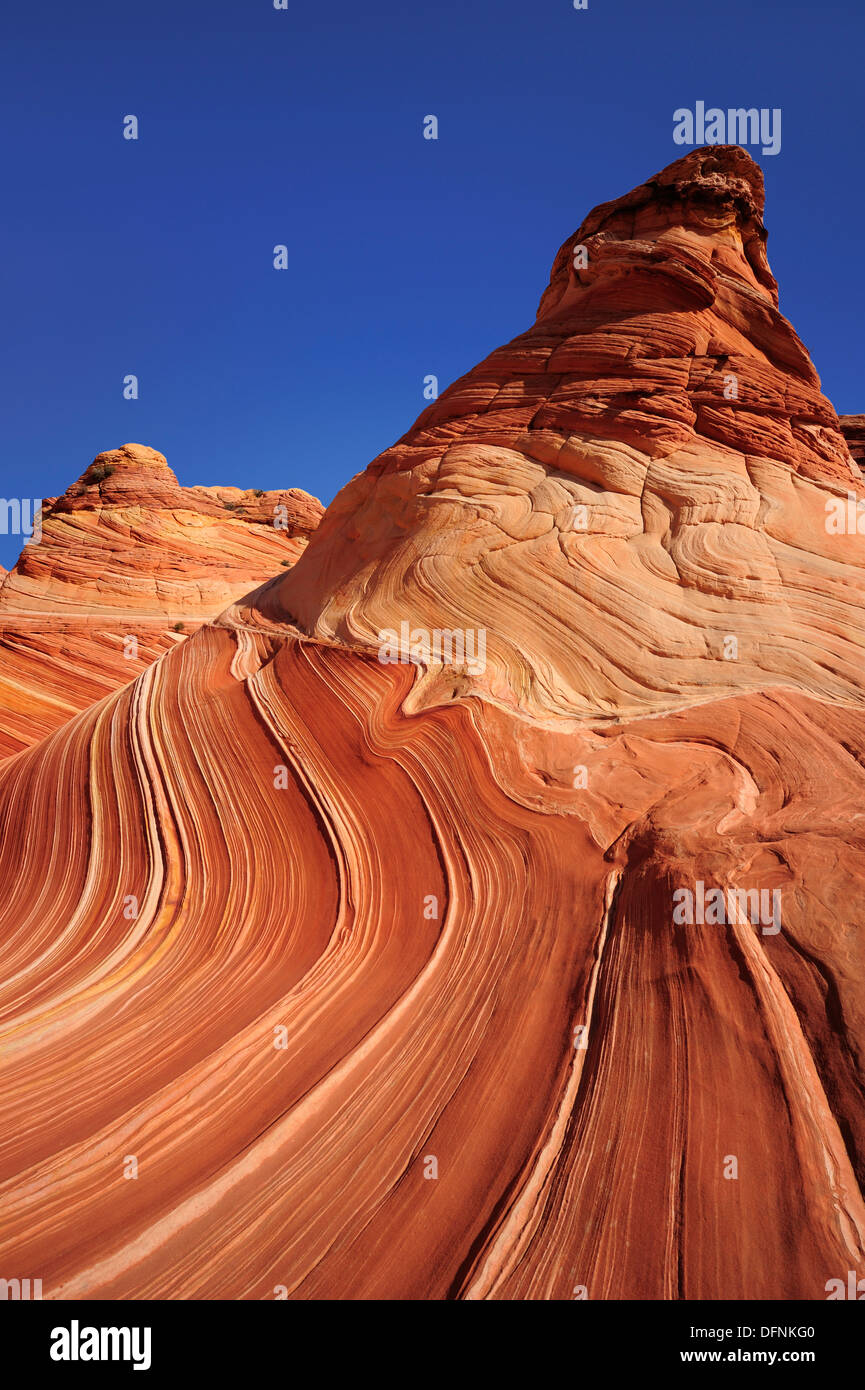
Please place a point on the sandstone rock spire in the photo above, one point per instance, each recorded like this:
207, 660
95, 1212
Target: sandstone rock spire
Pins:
656, 441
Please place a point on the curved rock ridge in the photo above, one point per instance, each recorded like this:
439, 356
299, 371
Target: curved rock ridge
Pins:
656, 447
311, 998
128, 563
327, 977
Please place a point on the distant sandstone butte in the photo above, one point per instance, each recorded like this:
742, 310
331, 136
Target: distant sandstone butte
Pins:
128, 552
427, 992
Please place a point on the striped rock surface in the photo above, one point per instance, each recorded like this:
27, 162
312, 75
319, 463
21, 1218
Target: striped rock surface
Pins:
127, 565
332, 977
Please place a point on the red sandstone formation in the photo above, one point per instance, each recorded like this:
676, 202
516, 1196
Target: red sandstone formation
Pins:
853, 428
128, 564
373, 969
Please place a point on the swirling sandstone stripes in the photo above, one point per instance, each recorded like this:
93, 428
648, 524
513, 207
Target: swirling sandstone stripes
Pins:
403, 1010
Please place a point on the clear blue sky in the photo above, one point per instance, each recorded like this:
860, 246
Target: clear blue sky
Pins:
407, 256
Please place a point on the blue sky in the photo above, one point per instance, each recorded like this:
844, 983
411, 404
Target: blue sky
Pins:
406, 256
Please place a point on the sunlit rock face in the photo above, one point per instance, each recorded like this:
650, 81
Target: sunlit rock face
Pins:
853, 427
654, 448
536, 976
127, 564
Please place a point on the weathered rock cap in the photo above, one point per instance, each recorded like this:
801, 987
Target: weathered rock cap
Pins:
132, 474
715, 193
715, 182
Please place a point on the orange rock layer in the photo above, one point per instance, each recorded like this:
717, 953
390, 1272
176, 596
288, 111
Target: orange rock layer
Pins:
853, 427
372, 971
127, 564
